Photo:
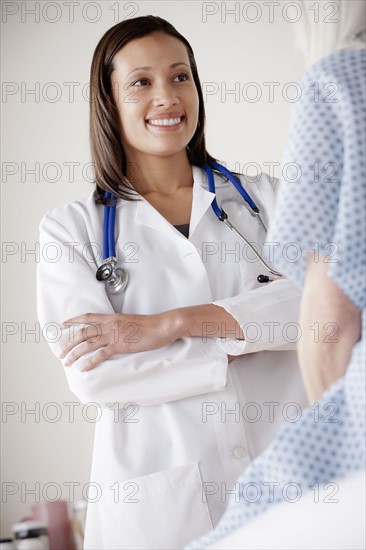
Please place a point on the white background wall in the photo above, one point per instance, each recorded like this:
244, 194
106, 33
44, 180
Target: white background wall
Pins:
48, 129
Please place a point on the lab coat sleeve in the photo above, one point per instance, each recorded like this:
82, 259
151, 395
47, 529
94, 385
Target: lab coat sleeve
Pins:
268, 315
67, 287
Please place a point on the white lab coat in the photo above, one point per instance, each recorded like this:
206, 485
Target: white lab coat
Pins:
186, 424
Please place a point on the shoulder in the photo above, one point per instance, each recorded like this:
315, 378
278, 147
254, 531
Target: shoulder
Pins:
263, 189
70, 216
262, 181
332, 92
339, 65
84, 204
332, 81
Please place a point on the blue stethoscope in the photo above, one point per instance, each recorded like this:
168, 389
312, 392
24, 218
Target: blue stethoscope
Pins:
116, 279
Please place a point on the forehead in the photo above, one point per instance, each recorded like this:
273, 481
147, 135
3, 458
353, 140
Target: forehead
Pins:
156, 49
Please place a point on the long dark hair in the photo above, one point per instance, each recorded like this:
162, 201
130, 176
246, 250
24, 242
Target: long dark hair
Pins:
108, 155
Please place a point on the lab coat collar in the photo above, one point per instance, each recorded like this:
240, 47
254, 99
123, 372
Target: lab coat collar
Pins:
202, 198
147, 215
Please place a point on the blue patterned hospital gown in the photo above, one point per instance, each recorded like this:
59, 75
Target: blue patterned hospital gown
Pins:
322, 208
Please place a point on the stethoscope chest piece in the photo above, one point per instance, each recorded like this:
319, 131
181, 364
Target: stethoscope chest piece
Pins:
119, 282
115, 279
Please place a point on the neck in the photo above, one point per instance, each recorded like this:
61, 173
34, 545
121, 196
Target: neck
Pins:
163, 175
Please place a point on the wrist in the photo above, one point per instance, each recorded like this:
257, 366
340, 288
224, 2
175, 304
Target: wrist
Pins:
174, 323
190, 321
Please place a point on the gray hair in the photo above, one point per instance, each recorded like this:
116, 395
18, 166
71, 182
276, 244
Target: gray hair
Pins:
338, 25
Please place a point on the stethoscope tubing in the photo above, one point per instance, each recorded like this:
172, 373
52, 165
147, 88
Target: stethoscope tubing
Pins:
222, 215
262, 261
233, 180
105, 229
116, 279
111, 224
109, 249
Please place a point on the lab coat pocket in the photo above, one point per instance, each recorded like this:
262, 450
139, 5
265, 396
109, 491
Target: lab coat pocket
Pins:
165, 509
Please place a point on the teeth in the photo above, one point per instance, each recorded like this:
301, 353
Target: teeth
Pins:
164, 121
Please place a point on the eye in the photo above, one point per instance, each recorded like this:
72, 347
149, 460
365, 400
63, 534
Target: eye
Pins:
140, 82
181, 77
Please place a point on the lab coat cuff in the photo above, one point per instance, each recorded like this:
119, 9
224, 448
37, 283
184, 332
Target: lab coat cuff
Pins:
232, 346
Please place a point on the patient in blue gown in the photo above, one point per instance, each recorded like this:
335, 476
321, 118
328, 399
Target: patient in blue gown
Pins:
318, 241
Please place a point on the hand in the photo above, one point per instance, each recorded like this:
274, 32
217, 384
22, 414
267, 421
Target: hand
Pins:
231, 357
109, 335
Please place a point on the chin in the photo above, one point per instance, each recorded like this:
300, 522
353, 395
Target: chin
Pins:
167, 151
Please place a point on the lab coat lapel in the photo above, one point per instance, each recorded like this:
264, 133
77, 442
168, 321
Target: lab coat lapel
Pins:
202, 199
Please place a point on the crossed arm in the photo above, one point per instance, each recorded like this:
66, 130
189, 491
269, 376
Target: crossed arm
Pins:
110, 334
322, 360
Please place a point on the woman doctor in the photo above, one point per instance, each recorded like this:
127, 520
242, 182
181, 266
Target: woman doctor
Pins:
177, 425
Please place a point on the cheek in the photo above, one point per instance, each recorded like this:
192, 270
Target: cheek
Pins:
195, 108
129, 115
127, 102
195, 102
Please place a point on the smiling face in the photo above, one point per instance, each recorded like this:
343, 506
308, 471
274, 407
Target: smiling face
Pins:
156, 96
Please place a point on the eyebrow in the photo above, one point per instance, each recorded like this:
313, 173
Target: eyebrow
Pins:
172, 66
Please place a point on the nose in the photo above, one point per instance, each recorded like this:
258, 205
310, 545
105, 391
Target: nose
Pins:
164, 95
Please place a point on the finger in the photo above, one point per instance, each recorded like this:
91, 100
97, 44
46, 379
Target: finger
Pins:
80, 350
87, 333
101, 355
86, 318
74, 339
